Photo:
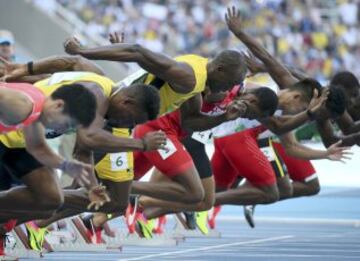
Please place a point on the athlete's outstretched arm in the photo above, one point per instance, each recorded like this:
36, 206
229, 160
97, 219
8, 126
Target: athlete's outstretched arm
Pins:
179, 75
350, 140
193, 120
50, 65
283, 124
295, 149
277, 71
326, 132
255, 67
36, 145
347, 125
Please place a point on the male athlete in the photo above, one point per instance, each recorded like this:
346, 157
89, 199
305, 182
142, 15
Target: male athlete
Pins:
25, 107
262, 187
113, 105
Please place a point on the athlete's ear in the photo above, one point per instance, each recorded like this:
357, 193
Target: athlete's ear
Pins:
220, 67
129, 100
296, 96
59, 104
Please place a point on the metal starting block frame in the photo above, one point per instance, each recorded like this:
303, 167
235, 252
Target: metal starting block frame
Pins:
21, 248
122, 237
181, 229
126, 239
80, 243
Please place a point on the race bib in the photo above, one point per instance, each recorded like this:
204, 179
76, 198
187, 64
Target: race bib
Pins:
119, 161
202, 136
169, 150
269, 153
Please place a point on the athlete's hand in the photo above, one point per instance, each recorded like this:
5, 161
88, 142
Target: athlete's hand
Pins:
318, 101
254, 65
98, 197
337, 153
12, 71
77, 170
233, 20
72, 46
154, 141
115, 37
235, 109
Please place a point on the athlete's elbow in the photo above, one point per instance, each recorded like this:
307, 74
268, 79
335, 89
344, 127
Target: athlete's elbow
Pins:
88, 141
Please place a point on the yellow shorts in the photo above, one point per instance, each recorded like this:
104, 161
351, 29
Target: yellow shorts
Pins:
117, 167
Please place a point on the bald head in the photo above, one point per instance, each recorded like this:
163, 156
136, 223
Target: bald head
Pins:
227, 69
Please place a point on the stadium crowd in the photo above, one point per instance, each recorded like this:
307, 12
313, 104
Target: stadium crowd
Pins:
321, 37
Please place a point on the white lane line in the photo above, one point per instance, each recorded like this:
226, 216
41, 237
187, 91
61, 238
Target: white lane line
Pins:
270, 239
327, 221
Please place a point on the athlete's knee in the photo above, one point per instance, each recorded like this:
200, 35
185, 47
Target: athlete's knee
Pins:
206, 204
271, 195
285, 190
51, 201
313, 187
195, 195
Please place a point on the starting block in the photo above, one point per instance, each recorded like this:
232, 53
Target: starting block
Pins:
20, 248
181, 229
126, 239
133, 239
75, 240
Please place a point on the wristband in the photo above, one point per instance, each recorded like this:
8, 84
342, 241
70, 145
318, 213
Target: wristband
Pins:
310, 114
63, 165
30, 67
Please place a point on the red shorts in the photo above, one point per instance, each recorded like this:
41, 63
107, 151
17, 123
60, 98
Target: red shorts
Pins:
176, 161
239, 155
299, 170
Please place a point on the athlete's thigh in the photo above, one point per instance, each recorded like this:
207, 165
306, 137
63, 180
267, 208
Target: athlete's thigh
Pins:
298, 169
157, 176
244, 154
224, 173
174, 161
119, 191
199, 156
42, 182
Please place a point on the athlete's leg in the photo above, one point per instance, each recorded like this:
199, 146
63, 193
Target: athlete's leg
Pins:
185, 187
285, 187
76, 202
249, 162
302, 172
152, 210
306, 188
41, 192
202, 163
248, 194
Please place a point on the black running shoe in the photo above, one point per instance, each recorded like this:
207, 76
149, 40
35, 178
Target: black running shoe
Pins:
249, 215
190, 220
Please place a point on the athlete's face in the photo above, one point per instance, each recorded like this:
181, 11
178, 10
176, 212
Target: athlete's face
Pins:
222, 79
53, 117
253, 110
124, 111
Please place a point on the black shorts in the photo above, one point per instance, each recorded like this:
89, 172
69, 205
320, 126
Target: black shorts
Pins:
16, 162
277, 163
198, 153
